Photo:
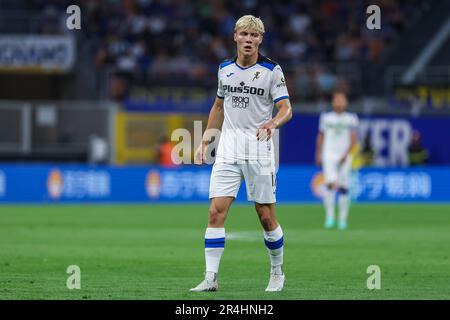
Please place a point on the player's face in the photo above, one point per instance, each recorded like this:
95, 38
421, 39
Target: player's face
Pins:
339, 102
248, 41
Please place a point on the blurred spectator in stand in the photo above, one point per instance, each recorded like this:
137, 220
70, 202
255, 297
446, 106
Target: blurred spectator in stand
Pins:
367, 151
303, 86
117, 88
165, 157
418, 155
183, 41
325, 81
363, 154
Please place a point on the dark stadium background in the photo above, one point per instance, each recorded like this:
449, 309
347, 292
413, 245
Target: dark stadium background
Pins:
86, 114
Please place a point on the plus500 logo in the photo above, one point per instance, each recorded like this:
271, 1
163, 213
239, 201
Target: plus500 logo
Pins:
244, 89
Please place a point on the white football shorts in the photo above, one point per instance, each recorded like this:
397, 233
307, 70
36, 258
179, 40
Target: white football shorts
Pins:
259, 177
340, 175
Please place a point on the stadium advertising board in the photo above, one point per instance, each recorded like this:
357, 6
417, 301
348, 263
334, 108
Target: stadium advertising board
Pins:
157, 97
36, 53
422, 96
389, 137
77, 184
391, 185
2, 184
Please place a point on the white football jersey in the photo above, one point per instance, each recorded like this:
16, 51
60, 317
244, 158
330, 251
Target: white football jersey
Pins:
249, 96
337, 128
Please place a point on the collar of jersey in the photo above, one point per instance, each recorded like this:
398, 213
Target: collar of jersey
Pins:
242, 68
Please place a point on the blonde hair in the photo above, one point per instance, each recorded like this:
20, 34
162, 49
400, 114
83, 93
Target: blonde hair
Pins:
250, 22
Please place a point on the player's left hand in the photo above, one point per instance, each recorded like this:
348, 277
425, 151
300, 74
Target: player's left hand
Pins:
265, 132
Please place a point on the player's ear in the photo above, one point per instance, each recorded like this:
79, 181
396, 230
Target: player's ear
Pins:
235, 36
260, 39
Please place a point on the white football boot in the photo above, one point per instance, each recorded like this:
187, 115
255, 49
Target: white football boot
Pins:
276, 282
207, 285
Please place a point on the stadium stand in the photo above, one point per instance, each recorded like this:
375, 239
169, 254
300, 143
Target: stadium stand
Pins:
162, 56
183, 40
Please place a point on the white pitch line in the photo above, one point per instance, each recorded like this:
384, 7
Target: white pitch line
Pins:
244, 236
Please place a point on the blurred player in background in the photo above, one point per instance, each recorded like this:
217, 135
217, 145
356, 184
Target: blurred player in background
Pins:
248, 87
335, 141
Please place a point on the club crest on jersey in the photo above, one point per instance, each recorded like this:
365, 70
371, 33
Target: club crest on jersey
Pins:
257, 73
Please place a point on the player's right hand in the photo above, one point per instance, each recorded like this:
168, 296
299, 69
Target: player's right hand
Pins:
199, 155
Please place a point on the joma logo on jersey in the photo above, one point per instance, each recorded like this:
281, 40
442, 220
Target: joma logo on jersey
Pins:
244, 89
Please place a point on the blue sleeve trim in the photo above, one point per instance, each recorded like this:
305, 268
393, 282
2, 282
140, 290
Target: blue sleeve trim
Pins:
280, 98
267, 65
219, 97
226, 63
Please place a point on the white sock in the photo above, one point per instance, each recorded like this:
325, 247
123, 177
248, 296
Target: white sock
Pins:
214, 246
274, 242
344, 204
211, 276
329, 200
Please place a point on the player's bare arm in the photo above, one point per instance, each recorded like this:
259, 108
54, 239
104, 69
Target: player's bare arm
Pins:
319, 143
353, 141
215, 121
283, 115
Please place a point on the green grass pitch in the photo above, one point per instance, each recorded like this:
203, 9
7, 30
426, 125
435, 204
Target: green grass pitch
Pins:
156, 252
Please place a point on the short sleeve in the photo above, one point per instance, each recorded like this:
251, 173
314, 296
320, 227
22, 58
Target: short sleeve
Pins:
220, 93
278, 89
355, 121
322, 123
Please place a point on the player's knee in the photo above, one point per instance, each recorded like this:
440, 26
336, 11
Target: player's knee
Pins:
267, 221
216, 215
